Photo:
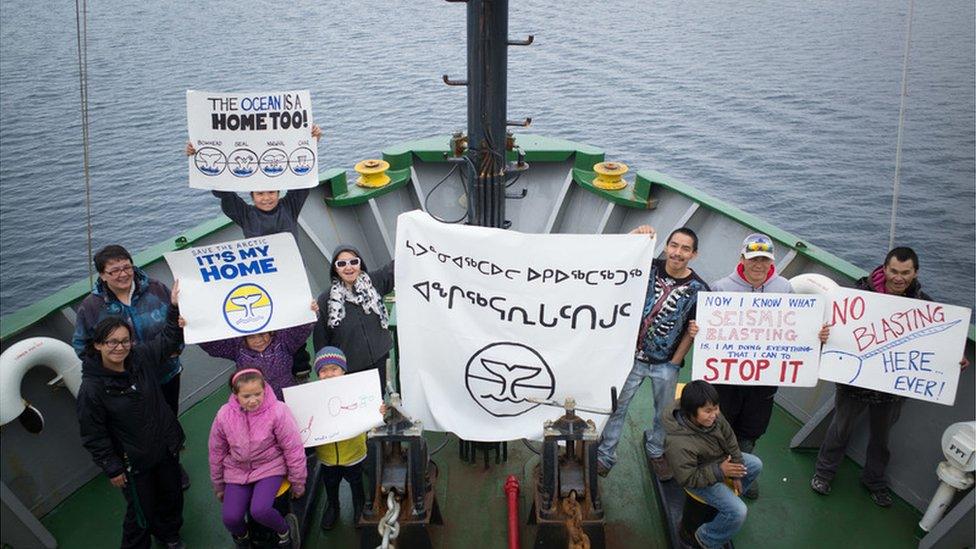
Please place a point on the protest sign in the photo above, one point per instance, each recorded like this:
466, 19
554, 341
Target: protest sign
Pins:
335, 409
242, 287
906, 347
489, 318
758, 338
251, 142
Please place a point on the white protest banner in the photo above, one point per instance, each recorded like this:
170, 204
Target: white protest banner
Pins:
906, 347
338, 408
758, 338
251, 142
242, 287
488, 318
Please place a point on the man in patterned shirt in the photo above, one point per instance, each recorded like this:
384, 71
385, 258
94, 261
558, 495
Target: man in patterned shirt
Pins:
666, 329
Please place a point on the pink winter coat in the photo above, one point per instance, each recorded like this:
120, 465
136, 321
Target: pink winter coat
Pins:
246, 447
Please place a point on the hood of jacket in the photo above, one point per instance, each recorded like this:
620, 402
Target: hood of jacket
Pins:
333, 274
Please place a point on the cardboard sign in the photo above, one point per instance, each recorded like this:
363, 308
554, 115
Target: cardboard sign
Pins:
242, 287
251, 142
335, 409
758, 338
489, 319
906, 347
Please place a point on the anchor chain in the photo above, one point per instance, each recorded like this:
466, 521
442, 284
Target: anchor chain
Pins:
389, 526
574, 523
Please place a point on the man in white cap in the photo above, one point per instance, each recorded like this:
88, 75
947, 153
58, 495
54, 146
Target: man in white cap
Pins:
748, 408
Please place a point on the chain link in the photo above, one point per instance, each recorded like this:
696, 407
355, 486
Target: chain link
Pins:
574, 522
389, 526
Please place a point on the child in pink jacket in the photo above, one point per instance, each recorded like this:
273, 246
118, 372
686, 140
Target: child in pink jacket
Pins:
254, 445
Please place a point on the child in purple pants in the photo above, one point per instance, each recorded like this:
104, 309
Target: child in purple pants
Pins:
254, 445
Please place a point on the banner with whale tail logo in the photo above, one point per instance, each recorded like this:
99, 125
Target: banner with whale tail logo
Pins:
906, 347
491, 321
250, 286
251, 141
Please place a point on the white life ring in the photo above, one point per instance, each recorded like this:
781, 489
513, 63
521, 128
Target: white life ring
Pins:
812, 283
24, 355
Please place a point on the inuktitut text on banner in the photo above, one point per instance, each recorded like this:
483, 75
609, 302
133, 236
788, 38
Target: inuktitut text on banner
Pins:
251, 141
906, 347
758, 338
335, 409
491, 321
232, 289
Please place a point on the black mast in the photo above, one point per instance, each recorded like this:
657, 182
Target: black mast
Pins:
487, 110
487, 139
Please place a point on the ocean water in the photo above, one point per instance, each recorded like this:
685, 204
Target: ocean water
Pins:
787, 109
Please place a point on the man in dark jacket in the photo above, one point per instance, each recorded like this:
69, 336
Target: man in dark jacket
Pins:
130, 430
706, 460
897, 276
125, 290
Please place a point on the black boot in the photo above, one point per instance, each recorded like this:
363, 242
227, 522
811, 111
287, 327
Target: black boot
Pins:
330, 515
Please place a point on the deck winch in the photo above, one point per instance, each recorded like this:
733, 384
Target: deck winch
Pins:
610, 175
567, 505
401, 483
372, 173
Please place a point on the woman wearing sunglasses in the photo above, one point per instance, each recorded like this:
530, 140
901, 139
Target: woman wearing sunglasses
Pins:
352, 316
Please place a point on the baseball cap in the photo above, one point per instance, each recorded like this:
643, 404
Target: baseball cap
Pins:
757, 245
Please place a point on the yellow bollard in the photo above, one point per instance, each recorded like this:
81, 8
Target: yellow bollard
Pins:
372, 173
609, 176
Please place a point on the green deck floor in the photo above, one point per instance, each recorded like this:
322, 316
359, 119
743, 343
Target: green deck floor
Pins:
471, 499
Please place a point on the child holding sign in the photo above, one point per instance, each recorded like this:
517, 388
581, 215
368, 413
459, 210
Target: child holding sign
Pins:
254, 446
271, 352
269, 214
342, 459
705, 458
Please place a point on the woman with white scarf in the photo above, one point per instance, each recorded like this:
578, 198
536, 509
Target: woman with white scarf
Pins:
352, 316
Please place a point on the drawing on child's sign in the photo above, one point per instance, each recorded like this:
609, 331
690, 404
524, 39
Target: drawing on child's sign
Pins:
306, 433
856, 362
338, 407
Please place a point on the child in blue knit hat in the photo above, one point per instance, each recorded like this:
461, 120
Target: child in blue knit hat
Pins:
342, 459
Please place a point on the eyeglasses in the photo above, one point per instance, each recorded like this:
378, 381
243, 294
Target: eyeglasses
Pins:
116, 343
114, 273
759, 247
340, 263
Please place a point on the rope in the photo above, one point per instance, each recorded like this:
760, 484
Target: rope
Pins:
901, 125
81, 28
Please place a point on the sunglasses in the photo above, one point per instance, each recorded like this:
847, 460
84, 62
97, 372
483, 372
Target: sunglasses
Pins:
759, 247
354, 262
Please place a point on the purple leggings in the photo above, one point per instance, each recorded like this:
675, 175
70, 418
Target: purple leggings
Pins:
259, 496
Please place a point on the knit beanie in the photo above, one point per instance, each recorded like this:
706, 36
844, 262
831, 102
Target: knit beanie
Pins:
330, 355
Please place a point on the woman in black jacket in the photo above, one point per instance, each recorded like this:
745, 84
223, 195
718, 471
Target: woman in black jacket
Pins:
352, 316
128, 428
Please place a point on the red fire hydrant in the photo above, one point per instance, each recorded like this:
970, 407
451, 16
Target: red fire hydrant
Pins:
512, 491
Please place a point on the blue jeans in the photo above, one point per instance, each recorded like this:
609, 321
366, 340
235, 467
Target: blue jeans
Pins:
664, 379
731, 509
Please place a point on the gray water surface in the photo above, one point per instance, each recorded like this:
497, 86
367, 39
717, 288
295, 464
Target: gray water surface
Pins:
787, 109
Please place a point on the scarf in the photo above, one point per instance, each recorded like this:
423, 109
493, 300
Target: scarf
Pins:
362, 293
